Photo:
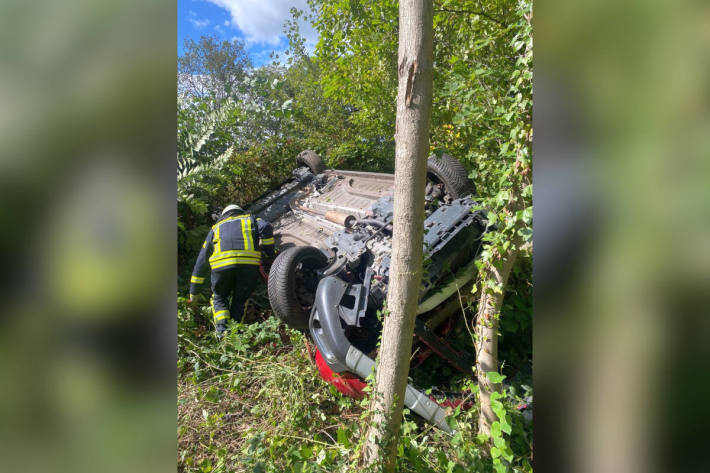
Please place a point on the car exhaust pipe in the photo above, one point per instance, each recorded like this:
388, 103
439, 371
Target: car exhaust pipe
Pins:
340, 218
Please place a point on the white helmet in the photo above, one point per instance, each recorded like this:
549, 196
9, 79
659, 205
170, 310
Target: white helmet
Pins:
231, 207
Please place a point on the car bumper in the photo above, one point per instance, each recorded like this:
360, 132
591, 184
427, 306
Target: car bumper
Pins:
341, 355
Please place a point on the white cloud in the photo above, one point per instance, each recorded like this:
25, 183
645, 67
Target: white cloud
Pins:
199, 23
262, 21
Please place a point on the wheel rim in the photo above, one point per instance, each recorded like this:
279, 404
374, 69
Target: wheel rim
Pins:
437, 192
306, 276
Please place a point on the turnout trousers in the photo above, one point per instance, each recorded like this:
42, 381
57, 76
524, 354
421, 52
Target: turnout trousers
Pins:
231, 287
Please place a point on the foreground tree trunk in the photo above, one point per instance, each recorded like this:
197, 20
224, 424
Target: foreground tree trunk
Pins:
411, 149
486, 331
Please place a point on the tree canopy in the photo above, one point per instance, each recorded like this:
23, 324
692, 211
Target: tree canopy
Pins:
212, 68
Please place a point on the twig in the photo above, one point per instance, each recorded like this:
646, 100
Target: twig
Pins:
311, 440
210, 364
463, 310
325, 431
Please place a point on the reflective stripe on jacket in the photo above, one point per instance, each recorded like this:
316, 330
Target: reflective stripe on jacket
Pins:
234, 242
231, 241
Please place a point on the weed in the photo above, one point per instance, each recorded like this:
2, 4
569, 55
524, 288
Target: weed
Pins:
254, 402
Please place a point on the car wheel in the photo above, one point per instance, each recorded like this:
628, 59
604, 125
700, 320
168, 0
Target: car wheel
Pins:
449, 173
312, 160
293, 280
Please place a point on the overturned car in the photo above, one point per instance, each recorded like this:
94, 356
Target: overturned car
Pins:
334, 232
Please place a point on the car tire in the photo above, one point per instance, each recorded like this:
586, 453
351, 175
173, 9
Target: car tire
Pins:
448, 171
312, 160
292, 284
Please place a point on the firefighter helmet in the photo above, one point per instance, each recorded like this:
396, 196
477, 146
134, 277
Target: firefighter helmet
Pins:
231, 207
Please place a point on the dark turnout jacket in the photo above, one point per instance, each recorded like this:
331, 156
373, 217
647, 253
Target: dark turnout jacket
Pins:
234, 240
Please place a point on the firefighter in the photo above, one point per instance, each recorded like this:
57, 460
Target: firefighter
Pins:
232, 251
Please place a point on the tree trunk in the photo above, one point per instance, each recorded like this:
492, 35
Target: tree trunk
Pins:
486, 339
414, 99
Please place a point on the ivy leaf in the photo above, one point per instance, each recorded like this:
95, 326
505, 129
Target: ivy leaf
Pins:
526, 233
495, 377
343, 437
505, 426
495, 430
305, 452
508, 453
527, 215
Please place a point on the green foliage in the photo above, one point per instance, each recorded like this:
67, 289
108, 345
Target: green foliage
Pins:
502, 148
510, 439
515, 342
357, 49
210, 68
254, 402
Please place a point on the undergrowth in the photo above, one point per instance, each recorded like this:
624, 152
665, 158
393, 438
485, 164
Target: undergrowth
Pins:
254, 402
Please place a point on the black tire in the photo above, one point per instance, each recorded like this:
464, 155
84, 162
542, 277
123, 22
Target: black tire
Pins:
312, 160
448, 171
293, 282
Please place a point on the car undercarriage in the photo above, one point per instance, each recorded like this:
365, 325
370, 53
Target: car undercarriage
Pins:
333, 229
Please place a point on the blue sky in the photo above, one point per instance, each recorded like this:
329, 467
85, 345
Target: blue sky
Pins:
256, 22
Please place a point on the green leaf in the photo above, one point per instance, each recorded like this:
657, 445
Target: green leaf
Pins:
500, 468
508, 453
306, 452
495, 429
527, 215
526, 233
343, 437
505, 426
495, 377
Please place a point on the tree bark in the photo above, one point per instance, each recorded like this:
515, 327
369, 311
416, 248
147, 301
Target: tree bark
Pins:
486, 335
414, 99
